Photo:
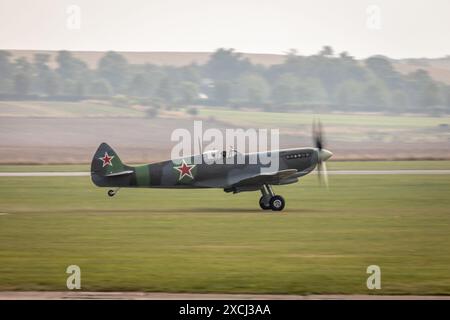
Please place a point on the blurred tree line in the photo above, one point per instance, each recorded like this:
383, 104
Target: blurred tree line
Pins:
325, 81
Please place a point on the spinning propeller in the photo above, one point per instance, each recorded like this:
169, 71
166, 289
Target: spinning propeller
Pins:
322, 154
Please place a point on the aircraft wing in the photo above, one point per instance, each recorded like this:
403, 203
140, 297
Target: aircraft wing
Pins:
269, 178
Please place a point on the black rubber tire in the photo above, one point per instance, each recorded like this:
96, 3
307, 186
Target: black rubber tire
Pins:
263, 205
111, 193
277, 203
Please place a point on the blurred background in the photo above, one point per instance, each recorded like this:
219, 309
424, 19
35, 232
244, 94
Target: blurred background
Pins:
376, 73
77, 73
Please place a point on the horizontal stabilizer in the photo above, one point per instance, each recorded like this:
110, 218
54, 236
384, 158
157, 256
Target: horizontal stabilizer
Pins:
120, 173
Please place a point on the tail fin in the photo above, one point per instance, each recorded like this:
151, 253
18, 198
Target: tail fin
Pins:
106, 164
106, 161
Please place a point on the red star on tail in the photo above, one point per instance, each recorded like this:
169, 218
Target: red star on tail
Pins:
185, 170
106, 159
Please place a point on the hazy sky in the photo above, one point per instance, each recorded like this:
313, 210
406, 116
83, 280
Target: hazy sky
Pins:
400, 28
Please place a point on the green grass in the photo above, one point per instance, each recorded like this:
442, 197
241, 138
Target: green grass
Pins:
332, 165
65, 109
254, 118
292, 119
209, 241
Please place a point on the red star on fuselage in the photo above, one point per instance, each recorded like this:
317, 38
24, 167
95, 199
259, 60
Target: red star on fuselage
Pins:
106, 159
185, 170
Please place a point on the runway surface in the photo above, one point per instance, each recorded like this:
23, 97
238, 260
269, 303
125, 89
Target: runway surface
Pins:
79, 295
333, 172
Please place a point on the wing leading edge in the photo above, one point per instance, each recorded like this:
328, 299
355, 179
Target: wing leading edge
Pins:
266, 178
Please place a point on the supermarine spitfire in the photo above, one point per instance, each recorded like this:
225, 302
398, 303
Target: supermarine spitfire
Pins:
107, 170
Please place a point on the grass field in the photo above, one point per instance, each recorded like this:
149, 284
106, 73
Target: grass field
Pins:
67, 132
244, 118
276, 119
209, 241
60, 109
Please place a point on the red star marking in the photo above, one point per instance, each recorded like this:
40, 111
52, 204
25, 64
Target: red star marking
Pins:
185, 170
106, 159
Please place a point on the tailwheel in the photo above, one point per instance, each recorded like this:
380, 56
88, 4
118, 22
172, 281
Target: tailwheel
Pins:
111, 193
264, 203
277, 203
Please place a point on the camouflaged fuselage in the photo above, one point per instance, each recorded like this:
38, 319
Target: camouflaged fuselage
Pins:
236, 173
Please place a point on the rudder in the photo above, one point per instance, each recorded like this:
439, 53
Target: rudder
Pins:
106, 161
108, 171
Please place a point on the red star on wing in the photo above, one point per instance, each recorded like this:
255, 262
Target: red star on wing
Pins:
185, 170
106, 159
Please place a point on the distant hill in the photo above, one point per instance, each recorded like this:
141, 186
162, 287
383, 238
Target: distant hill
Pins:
158, 58
438, 68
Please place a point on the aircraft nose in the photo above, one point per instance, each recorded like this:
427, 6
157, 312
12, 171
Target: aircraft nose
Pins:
324, 154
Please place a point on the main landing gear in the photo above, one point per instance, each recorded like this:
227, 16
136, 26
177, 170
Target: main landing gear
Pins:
269, 200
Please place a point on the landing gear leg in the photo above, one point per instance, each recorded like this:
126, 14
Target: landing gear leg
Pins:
276, 203
112, 192
265, 198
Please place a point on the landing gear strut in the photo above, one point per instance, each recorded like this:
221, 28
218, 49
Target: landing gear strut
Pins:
265, 198
112, 192
269, 200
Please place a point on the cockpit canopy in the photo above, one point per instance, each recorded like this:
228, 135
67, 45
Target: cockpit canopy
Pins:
216, 154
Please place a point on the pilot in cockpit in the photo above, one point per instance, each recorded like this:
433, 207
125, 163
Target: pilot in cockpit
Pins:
231, 153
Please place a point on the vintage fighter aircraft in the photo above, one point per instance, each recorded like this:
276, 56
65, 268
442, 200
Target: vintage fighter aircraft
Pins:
108, 171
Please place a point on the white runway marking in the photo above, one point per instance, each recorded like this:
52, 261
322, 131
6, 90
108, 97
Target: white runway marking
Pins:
389, 172
44, 174
333, 172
